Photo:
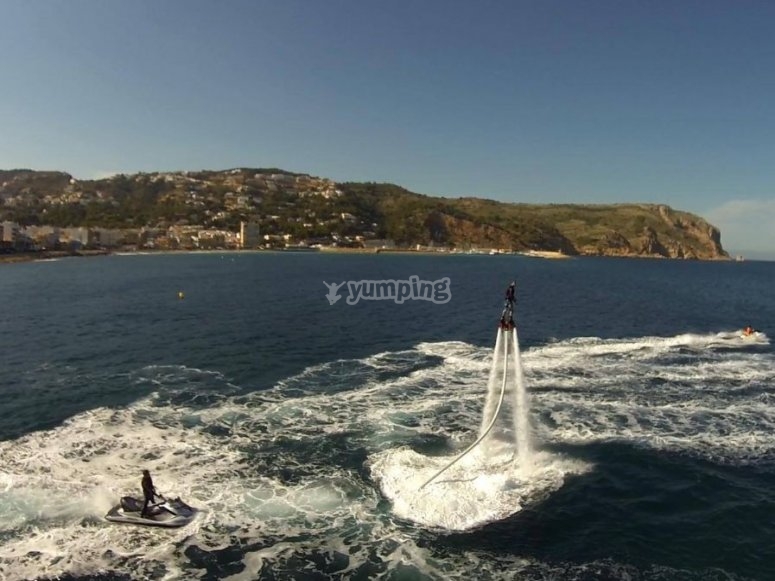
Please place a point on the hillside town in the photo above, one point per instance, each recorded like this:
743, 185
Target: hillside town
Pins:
228, 210
16, 238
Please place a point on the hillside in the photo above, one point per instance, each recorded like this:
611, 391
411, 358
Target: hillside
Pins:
304, 207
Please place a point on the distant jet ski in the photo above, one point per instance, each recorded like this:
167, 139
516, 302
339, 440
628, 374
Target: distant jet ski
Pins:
169, 513
750, 332
507, 317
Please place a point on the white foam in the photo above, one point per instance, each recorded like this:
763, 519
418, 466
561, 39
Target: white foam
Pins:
274, 465
475, 491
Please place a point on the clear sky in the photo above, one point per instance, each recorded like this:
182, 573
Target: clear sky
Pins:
668, 101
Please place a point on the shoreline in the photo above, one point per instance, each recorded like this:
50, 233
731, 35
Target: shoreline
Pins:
550, 254
45, 255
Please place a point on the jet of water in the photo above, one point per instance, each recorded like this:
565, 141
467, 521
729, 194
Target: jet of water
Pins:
505, 429
510, 432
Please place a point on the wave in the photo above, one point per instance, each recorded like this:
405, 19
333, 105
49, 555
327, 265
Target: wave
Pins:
293, 469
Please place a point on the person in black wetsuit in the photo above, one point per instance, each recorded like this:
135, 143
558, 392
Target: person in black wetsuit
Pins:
511, 292
149, 491
507, 317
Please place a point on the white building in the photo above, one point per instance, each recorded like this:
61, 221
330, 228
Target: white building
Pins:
77, 237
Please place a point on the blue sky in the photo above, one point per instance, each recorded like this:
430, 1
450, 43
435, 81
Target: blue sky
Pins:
542, 101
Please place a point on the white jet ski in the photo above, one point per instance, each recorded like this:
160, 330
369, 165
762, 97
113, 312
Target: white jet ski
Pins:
168, 513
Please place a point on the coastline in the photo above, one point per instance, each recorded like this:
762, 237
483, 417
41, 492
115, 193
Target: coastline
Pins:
19, 257
45, 255
551, 254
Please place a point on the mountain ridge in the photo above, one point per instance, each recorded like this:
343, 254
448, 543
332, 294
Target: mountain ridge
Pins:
303, 207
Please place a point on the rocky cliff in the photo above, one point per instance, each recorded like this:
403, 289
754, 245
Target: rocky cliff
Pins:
601, 230
659, 231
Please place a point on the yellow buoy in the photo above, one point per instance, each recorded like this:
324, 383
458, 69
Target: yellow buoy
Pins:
180, 294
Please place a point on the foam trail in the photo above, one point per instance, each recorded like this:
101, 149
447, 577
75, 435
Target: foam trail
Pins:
274, 470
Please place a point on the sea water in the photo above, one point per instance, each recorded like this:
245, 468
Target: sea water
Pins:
296, 425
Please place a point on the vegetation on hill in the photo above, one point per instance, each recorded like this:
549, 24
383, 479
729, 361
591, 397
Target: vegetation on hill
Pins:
307, 207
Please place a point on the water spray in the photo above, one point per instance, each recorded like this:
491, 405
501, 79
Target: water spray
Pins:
494, 417
507, 336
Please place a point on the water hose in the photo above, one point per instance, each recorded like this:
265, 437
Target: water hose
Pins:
492, 423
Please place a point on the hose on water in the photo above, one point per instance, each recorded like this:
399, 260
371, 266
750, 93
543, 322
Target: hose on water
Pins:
492, 423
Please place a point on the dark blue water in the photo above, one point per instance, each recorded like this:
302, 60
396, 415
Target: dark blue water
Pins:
282, 416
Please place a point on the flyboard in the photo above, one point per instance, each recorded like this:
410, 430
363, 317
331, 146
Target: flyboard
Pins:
169, 514
506, 326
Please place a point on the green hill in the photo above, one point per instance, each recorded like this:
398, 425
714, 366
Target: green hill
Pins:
311, 207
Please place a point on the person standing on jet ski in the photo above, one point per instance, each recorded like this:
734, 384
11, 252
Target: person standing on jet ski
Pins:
149, 491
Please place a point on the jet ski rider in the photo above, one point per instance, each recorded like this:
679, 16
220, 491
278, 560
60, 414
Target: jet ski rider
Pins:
149, 491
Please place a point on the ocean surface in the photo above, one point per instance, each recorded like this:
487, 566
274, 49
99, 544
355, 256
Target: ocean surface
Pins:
303, 430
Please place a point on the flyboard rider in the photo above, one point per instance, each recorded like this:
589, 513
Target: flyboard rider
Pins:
507, 317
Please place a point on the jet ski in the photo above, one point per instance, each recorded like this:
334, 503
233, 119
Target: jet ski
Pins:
168, 513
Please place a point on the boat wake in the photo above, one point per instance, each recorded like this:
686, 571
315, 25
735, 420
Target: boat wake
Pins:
284, 478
